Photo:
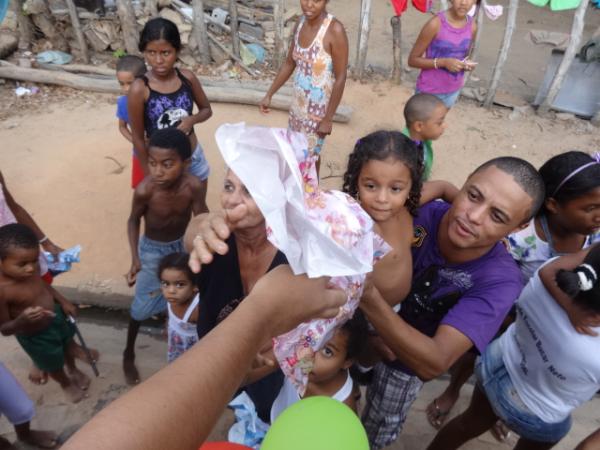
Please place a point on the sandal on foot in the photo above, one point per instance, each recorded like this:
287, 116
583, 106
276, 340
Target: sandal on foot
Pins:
435, 415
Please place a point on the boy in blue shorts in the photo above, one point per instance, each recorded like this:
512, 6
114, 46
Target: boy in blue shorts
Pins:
166, 200
129, 67
424, 115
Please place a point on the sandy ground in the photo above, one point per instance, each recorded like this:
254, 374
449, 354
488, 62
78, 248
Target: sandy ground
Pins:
60, 162
64, 160
108, 331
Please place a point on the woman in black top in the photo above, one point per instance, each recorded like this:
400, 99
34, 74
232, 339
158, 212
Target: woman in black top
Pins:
225, 281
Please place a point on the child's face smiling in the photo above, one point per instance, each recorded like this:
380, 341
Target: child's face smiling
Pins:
165, 165
383, 187
125, 80
176, 287
331, 358
20, 263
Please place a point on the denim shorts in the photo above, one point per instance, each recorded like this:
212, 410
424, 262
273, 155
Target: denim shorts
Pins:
148, 300
199, 166
448, 99
493, 379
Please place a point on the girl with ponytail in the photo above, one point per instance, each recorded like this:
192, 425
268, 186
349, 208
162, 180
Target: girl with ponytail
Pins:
542, 367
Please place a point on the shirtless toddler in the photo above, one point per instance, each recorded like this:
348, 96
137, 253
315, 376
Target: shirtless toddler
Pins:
36, 317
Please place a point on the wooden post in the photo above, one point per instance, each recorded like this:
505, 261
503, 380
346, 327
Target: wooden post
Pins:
397, 49
474, 52
280, 47
200, 31
511, 20
41, 16
363, 38
24, 25
128, 25
78, 33
569, 56
233, 24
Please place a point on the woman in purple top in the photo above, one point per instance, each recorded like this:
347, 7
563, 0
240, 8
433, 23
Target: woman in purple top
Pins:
441, 51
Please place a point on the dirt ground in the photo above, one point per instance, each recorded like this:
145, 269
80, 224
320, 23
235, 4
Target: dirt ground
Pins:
64, 160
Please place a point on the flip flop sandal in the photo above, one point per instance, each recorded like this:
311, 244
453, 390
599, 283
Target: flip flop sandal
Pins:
437, 419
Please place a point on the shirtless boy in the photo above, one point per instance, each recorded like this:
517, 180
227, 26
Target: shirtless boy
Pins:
166, 200
36, 317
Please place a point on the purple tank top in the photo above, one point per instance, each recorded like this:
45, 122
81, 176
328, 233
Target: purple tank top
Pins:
450, 42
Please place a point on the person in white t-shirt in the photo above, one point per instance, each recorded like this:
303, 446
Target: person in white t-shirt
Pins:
568, 221
541, 368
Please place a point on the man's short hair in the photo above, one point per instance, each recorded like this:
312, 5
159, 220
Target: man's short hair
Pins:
18, 236
526, 176
420, 107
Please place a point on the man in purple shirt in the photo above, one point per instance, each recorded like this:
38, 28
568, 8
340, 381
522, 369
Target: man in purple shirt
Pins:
464, 283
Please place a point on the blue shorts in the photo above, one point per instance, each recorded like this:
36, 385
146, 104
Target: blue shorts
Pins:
448, 99
148, 300
493, 379
199, 165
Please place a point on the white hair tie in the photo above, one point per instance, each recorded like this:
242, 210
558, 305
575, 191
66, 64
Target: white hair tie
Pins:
585, 283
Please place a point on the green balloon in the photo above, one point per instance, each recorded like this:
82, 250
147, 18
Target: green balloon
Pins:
317, 423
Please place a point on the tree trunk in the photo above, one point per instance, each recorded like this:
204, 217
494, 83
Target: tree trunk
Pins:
363, 38
78, 33
42, 17
24, 25
511, 20
217, 91
233, 24
280, 47
569, 56
397, 49
128, 26
200, 32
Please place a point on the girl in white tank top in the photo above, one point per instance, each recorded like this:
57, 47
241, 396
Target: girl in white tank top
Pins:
179, 289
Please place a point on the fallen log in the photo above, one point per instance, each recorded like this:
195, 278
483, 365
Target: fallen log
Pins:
216, 92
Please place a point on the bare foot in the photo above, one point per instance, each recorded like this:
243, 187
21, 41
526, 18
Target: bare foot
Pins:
37, 376
80, 379
79, 354
73, 393
132, 376
437, 411
40, 438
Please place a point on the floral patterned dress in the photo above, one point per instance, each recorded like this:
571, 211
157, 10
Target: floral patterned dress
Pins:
313, 83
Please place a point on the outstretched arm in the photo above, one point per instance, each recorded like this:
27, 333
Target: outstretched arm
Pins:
177, 407
433, 190
285, 72
25, 218
427, 357
582, 319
